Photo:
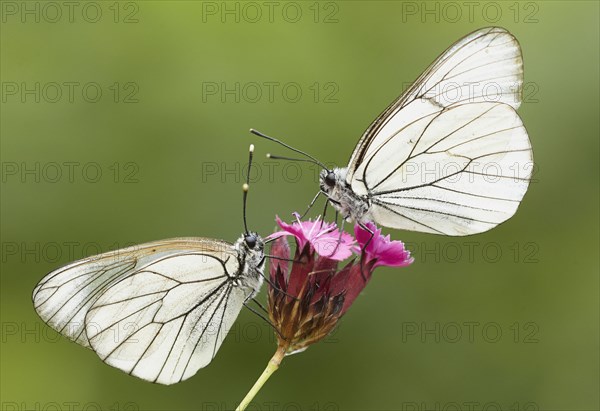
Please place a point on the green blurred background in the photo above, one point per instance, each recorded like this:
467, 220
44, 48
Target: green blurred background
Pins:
169, 135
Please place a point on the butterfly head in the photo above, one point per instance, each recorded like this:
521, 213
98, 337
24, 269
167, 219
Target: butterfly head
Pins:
250, 246
329, 179
253, 242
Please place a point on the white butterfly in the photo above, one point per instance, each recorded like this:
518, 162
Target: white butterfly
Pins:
158, 311
450, 155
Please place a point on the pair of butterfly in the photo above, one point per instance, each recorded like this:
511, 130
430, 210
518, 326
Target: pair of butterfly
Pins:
431, 162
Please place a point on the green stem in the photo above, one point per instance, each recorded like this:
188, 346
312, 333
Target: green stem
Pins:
272, 366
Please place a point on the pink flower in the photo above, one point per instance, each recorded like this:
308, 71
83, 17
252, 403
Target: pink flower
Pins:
324, 238
308, 296
380, 250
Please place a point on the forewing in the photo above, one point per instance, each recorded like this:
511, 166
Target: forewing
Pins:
173, 324
461, 171
484, 66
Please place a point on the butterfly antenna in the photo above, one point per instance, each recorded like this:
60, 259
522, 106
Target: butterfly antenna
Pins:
304, 160
273, 139
246, 186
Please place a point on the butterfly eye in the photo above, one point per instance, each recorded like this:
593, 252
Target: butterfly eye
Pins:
330, 179
250, 241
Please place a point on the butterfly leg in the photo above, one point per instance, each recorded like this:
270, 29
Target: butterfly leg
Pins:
255, 301
261, 316
339, 240
362, 253
324, 213
283, 259
275, 287
312, 203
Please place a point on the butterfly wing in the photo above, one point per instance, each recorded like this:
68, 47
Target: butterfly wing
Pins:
450, 156
470, 70
464, 171
158, 311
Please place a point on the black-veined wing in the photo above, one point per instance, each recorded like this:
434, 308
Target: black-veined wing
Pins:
451, 155
486, 65
158, 311
463, 171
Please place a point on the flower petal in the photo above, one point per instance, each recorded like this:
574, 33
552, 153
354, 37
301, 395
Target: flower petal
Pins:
380, 248
290, 229
323, 237
332, 246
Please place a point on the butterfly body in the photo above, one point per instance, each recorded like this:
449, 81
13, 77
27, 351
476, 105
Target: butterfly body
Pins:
352, 207
251, 262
